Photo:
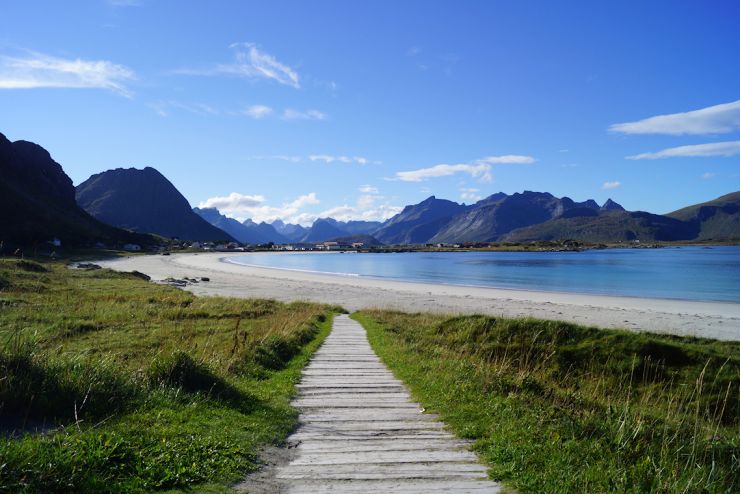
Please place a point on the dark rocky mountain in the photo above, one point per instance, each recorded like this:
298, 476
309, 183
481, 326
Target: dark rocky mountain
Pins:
37, 202
144, 201
290, 231
715, 220
264, 233
418, 223
610, 205
494, 218
607, 227
322, 230
358, 227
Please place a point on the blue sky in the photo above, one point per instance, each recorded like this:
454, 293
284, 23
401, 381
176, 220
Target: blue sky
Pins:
295, 110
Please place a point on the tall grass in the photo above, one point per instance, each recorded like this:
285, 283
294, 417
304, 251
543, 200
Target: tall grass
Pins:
555, 407
110, 383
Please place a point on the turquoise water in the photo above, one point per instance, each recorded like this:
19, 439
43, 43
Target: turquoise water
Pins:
688, 273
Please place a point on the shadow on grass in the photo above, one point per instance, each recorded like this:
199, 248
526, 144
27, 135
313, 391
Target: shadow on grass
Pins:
180, 370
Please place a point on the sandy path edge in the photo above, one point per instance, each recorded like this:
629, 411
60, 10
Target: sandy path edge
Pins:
717, 320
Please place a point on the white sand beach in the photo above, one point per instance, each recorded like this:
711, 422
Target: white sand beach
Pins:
717, 320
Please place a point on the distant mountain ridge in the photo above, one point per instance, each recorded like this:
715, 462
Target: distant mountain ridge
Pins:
532, 216
37, 202
144, 201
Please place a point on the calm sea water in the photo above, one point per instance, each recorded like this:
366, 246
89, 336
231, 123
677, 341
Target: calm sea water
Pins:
688, 273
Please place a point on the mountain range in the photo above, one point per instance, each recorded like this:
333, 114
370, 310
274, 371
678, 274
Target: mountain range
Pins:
39, 202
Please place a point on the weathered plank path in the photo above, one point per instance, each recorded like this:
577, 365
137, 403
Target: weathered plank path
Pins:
360, 431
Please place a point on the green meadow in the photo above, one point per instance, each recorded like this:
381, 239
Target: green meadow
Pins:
111, 383
555, 407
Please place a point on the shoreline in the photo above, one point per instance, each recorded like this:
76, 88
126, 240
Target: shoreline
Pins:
718, 320
331, 274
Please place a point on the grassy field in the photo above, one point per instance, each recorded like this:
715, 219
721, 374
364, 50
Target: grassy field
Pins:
554, 407
111, 383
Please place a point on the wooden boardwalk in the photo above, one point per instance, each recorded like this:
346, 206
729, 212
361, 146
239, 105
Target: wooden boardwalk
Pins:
360, 431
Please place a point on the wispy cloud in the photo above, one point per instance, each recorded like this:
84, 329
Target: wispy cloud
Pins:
368, 189
317, 158
258, 111
725, 149
708, 175
36, 70
508, 159
470, 194
718, 119
480, 169
252, 63
165, 108
291, 114
328, 158
611, 185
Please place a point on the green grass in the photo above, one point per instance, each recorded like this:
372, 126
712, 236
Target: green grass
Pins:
555, 407
112, 384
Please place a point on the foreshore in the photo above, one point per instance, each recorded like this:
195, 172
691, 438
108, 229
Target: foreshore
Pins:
716, 320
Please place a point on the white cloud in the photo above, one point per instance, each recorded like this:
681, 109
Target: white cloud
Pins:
37, 70
258, 111
241, 207
368, 189
253, 63
708, 175
291, 114
470, 194
369, 207
232, 202
328, 158
508, 159
725, 149
481, 171
611, 185
718, 119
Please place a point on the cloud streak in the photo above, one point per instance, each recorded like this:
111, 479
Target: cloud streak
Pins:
714, 149
717, 119
328, 158
250, 63
291, 114
37, 70
258, 112
479, 169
